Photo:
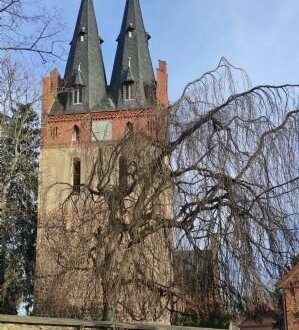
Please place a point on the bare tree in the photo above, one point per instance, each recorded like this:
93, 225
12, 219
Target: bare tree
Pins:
223, 179
236, 177
104, 234
27, 27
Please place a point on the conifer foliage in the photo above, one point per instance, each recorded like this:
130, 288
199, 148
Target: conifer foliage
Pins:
32, 31
18, 214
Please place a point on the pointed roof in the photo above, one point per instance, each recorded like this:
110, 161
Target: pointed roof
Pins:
133, 61
85, 66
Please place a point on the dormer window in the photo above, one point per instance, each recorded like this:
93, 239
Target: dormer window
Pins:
82, 33
129, 84
131, 27
130, 30
129, 91
78, 95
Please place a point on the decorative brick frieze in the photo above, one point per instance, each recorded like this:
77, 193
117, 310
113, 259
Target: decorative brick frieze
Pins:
57, 130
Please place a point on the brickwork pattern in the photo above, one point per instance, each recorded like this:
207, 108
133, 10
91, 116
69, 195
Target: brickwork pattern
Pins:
162, 84
50, 88
290, 285
57, 130
292, 304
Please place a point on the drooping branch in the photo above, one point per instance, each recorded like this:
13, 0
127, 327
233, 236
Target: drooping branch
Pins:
222, 188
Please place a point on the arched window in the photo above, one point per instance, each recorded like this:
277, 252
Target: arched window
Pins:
123, 172
76, 134
129, 127
76, 175
129, 91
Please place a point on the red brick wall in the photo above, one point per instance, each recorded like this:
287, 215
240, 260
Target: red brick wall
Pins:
50, 88
290, 285
57, 130
162, 84
292, 306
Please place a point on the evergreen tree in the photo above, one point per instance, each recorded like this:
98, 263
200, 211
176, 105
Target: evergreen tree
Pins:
18, 214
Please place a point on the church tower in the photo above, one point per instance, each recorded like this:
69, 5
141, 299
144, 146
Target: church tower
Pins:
81, 112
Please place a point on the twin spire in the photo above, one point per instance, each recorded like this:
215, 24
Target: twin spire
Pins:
85, 66
133, 63
133, 82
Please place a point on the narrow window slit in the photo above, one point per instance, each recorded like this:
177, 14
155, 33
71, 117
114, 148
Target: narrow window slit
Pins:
76, 175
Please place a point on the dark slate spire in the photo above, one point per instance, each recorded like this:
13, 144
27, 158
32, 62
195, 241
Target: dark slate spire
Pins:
85, 67
132, 65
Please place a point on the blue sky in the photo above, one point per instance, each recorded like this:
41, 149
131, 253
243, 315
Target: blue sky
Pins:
260, 36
